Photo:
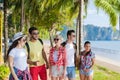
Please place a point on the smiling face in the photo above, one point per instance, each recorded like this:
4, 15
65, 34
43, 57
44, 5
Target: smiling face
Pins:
57, 40
71, 37
22, 41
35, 34
87, 47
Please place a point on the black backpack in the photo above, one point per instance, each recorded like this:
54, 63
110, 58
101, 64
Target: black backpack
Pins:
28, 48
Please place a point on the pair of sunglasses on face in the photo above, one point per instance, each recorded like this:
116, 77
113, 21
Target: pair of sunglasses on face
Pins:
24, 40
73, 35
56, 39
35, 33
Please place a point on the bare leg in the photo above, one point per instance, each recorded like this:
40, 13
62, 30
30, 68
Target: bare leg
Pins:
71, 79
82, 77
54, 78
90, 77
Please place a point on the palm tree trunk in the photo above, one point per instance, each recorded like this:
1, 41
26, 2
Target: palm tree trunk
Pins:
77, 34
22, 16
119, 28
80, 24
5, 30
28, 24
51, 40
1, 25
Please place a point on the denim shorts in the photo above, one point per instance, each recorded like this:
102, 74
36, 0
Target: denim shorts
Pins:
70, 72
55, 72
86, 73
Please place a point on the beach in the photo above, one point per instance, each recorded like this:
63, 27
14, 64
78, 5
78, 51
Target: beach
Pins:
102, 61
107, 63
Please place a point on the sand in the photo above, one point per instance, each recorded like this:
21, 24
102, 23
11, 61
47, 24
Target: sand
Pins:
108, 63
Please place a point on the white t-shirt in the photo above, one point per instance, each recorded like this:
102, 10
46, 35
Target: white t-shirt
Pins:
70, 51
55, 56
20, 58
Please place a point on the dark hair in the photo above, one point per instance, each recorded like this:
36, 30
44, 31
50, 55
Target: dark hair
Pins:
87, 42
13, 45
70, 32
32, 29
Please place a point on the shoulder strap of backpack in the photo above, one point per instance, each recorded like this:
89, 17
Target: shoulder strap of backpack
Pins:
28, 49
40, 41
64, 43
75, 46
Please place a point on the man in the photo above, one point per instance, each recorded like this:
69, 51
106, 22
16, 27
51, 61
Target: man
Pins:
70, 54
36, 55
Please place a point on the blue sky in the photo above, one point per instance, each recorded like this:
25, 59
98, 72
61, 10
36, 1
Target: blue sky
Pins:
99, 18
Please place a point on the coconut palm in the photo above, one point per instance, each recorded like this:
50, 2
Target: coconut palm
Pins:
5, 30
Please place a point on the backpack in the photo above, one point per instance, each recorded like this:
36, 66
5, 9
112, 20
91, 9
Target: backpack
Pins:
28, 47
75, 54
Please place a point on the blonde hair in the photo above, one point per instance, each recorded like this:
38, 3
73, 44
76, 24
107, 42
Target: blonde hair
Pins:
59, 37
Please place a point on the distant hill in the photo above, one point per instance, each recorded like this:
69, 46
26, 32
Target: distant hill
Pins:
92, 32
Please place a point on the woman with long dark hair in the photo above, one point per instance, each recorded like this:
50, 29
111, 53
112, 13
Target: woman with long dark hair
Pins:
17, 58
87, 59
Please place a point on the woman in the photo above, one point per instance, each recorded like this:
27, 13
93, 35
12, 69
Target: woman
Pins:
57, 60
87, 59
17, 58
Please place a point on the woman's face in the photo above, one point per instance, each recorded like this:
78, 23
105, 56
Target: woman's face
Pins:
57, 41
22, 41
87, 47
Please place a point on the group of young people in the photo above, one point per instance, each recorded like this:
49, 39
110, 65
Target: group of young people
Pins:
28, 60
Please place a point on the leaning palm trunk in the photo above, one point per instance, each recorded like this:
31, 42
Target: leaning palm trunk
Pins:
22, 16
51, 40
5, 30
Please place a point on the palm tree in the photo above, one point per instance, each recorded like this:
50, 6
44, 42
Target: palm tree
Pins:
5, 30
119, 28
22, 16
1, 26
108, 7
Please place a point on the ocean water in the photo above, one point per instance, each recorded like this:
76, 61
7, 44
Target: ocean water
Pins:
107, 49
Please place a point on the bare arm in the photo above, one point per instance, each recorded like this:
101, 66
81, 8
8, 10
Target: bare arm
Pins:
10, 63
93, 62
45, 57
31, 62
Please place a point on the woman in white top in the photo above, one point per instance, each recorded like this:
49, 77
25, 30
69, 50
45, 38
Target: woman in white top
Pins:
17, 58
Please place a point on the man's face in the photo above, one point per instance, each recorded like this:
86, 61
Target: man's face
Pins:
35, 34
72, 37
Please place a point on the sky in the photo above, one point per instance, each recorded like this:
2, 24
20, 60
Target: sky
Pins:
99, 18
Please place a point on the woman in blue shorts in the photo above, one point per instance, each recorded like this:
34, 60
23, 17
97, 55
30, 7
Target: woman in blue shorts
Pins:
87, 59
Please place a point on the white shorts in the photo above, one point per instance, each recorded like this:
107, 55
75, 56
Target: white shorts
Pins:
55, 72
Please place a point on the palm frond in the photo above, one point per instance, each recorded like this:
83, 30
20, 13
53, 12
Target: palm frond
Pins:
104, 5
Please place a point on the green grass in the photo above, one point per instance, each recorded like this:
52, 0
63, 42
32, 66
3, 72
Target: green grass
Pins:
101, 73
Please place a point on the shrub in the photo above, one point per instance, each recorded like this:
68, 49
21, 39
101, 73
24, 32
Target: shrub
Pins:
4, 72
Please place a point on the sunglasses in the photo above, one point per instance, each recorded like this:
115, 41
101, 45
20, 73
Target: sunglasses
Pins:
35, 33
24, 40
73, 36
56, 39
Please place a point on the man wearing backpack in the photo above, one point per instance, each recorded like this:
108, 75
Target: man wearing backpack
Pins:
70, 54
36, 55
